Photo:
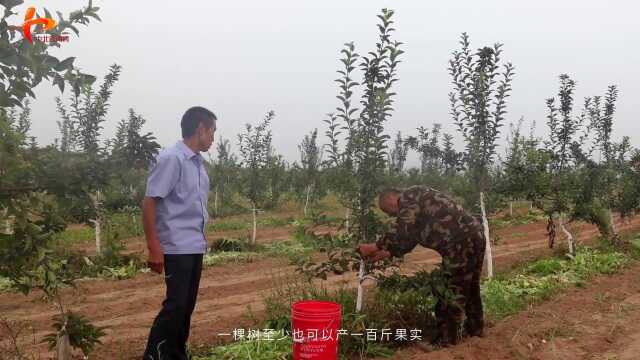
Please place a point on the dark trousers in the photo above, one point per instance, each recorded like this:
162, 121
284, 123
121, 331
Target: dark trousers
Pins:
170, 330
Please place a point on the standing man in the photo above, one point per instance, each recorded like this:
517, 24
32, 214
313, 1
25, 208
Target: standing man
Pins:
174, 213
428, 217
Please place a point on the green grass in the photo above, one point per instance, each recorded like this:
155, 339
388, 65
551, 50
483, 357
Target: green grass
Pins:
227, 225
123, 272
226, 257
75, 235
274, 221
5, 284
246, 224
259, 349
288, 248
245, 254
508, 294
531, 216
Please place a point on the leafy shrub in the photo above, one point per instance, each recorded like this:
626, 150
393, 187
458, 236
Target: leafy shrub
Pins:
400, 302
73, 235
123, 272
82, 334
287, 290
109, 264
5, 284
228, 244
546, 267
408, 302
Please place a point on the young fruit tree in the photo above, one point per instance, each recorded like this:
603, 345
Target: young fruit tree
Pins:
478, 106
130, 153
130, 147
88, 110
398, 155
427, 145
358, 168
255, 147
603, 180
524, 175
564, 145
277, 178
222, 171
629, 199
439, 161
612, 155
310, 160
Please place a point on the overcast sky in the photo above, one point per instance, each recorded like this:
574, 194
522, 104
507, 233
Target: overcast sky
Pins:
242, 58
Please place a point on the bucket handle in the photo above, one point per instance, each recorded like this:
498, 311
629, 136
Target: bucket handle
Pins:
302, 341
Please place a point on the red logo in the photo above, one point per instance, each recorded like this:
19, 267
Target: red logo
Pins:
29, 21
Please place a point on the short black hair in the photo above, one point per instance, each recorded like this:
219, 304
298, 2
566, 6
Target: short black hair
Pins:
193, 117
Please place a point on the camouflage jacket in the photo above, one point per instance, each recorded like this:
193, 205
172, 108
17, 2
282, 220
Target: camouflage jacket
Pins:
433, 220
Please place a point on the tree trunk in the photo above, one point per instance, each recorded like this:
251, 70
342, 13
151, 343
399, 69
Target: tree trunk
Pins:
215, 201
96, 223
9, 225
97, 203
255, 225
570, 239
614, 229
511, 208
361, 278
488, 257
63, 347
347, 215
306, 203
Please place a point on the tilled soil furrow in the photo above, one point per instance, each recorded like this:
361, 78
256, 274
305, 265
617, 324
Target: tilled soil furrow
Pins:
128, 307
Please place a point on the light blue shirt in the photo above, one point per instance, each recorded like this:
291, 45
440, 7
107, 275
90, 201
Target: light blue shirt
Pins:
179, 179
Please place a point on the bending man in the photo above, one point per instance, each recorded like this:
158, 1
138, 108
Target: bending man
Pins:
428, 217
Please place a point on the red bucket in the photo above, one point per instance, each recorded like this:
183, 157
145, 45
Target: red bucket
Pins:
314, 326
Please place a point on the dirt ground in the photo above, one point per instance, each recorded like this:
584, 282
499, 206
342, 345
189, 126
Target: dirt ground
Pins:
598, 322
128, 307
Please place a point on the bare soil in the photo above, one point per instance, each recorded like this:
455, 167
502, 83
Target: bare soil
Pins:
128, 307
600, 321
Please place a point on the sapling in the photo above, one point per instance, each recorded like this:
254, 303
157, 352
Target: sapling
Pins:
255, 145
359, 166
481, 86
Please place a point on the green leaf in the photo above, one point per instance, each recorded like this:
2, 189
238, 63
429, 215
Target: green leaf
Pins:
66, 64
9, 4
94, 15
59, 80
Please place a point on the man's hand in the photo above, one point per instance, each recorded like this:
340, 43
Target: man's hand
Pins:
156, 256
156, 260
372, 253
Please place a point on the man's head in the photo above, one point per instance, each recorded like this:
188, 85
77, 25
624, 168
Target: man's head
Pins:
388, 201
198, 127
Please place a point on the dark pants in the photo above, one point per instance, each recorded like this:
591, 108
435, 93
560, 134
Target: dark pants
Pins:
170, 330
